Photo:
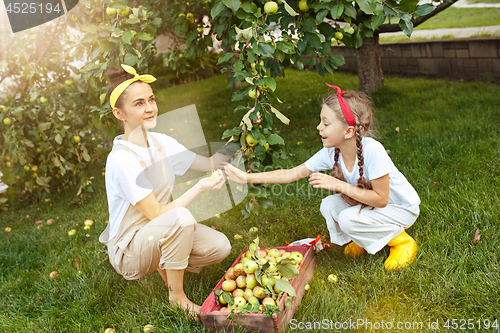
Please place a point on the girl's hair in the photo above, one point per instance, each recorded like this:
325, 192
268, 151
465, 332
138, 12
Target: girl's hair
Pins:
116, 77
361, 107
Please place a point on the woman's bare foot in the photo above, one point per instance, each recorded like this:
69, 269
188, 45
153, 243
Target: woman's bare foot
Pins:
185, 304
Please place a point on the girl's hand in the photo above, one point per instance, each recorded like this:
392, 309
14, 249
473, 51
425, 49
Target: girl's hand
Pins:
205, 184
235, 174
320, 180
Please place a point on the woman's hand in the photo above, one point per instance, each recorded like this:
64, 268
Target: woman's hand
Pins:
235, 174
206, 184
327, 182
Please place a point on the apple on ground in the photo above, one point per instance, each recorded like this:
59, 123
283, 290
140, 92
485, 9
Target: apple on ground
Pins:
253, 230
229, 285
230, 274
251, 281
240, 301
332, 278
8, 229
53, 274
148, 328
238, 269
72, 232
241, 281
109, 330
88, 222
50, 221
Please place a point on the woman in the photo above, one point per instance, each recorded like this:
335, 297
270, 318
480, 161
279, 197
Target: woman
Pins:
147, 231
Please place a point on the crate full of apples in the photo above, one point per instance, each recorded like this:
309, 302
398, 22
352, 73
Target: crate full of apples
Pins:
261, 290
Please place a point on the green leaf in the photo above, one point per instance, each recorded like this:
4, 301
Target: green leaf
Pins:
286, 47
234, 5
230, 132
327, 30
118, 5
281, 117
127, 37
366, 6
309, 25
286, 287
249, 7
44, 126
225, 57
288, 302
320, 69
133, 20
289, 9
58, 138
143, 36
358, 41
349, 10
264, 202
320, 16
424, 9
275, 139
217, 9
376, 21
313, 40
336, 60
337, 10
130, 59
86, 155
270, 83
239, 94
266, 50
408, 5
406, 25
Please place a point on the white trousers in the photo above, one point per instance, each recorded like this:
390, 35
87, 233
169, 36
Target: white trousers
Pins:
371, 229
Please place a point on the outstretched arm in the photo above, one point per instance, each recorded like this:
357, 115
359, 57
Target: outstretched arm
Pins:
203, 164
378, 196
281, 176
151, 208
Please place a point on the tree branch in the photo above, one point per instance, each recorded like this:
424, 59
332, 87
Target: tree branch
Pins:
419, 20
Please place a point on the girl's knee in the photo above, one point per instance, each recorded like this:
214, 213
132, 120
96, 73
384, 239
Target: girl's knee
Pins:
346, 221
224, 247
184, 217
329, 204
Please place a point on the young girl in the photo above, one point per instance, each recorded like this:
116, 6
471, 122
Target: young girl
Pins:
147, 231
373, 203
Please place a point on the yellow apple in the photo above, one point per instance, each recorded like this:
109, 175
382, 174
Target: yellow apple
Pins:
303, 5
214, 175
110, 11
68, 82
76, 139
270, 7
252, 93
7, 121
339, 35
43, 100
250, 141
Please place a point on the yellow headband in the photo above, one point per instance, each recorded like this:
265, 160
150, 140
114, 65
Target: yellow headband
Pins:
124, 85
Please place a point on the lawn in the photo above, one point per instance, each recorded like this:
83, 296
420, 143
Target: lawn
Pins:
447, 147
462, 18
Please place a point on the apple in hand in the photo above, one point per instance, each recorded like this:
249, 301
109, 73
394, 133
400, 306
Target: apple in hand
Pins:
270, 7
215, 174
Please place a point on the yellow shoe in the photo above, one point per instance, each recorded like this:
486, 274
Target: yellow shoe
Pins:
403, 251
352, 249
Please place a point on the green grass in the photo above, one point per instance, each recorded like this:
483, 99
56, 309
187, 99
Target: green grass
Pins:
483, 1
404, 38
447, 147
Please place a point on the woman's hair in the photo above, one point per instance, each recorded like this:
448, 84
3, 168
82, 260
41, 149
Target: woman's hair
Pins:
115, 78
361, 107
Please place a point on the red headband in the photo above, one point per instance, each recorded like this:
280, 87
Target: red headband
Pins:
346, 110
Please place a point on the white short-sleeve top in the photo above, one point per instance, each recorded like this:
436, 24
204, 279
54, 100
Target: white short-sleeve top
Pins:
122, 170
377, 163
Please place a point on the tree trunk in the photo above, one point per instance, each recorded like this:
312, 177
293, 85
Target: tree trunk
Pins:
369, 65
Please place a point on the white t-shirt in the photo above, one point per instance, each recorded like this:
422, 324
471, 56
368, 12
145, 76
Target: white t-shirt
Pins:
122, 170
376, 164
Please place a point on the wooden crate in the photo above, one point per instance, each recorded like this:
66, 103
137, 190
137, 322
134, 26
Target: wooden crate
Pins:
216, 321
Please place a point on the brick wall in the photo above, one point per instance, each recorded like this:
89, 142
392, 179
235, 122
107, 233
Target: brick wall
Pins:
458, 58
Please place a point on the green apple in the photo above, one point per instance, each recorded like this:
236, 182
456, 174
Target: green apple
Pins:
200, 30
252, 93
181, 55
274, 252
332, 278
182, 15
229, 285
238, 237
110, 11
250, 140
43, 100
72, 232
252, 300
253, 247
306, 287
266, 146
251, 281
261, 63
250, 266
190, 16
109, 330
34, 168
7, 121
76, 139
296, 257
244, 260
124, 12
148, 328
215, 174
339, 35
303, 5
264, 280
221, 300
8, 164
270, 7
39, 150
26, 168
2, 107
248, 294
68, 82
240, 301
253, 230
32, 100
252, 65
